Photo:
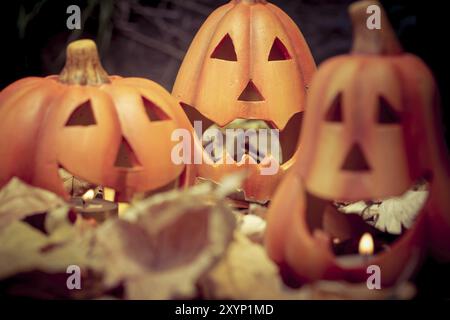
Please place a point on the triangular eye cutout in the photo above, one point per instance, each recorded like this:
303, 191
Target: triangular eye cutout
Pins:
225, 50
82, 115
334, 113
279, 51
251, 93
386, 113
126, 158
154, 113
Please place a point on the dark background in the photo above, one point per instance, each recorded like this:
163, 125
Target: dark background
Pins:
149, 38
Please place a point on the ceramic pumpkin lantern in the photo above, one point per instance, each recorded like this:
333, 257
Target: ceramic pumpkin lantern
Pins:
107, 130
249, 61
371, 130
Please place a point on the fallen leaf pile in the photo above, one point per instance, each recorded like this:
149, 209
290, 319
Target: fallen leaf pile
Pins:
187, 244
166, 243
26, 250
158, 251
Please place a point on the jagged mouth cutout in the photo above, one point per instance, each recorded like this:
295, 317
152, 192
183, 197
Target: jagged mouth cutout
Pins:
386, 220
288, 137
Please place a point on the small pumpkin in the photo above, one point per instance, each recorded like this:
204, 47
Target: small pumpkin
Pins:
371, 130
249, 61
107, 130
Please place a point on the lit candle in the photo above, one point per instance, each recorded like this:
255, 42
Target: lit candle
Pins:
90, 207
88, 195
365, 249
366, 245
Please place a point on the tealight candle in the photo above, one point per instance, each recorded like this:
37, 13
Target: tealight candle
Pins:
93, 208
365, 249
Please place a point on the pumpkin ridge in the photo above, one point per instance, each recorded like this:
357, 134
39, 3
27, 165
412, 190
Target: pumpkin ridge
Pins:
12, 109
250, 45
207, 53
25, 95
14, 96
200, 60
306, 75
294, 56
41, 128
322, 78
21, 84
146, 85
288, 36
161, 96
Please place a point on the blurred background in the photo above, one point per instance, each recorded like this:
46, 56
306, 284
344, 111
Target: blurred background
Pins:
148, 38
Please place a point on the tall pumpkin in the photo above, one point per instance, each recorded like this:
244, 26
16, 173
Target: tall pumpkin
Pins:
108, 130
248, 61
371, 130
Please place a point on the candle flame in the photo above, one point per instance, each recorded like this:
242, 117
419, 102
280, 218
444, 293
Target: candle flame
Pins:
88, 195
366, 245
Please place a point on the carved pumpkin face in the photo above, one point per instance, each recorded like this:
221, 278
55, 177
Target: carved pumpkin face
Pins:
248, 61
371, 130
358, 118
110, 131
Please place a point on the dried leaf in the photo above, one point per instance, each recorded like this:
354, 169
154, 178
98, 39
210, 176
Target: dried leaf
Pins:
392, 214
25, 249
400, 211
166, 243
244, 272
18, 200
31, 254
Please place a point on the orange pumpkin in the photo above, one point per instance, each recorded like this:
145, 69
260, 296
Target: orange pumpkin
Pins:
248, 61
108, 130
371, 130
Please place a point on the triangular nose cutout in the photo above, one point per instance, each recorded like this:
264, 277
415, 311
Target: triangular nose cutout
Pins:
126, 157
251, 93
355, 160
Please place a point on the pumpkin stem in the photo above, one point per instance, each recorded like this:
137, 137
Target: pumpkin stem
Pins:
372, 41
83, 65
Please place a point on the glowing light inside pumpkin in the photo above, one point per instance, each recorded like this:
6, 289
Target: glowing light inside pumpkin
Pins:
88, 195
109, 194
366, 245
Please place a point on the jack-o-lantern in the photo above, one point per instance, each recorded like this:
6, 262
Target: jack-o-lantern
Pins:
249, 61
107, 130
371, 131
